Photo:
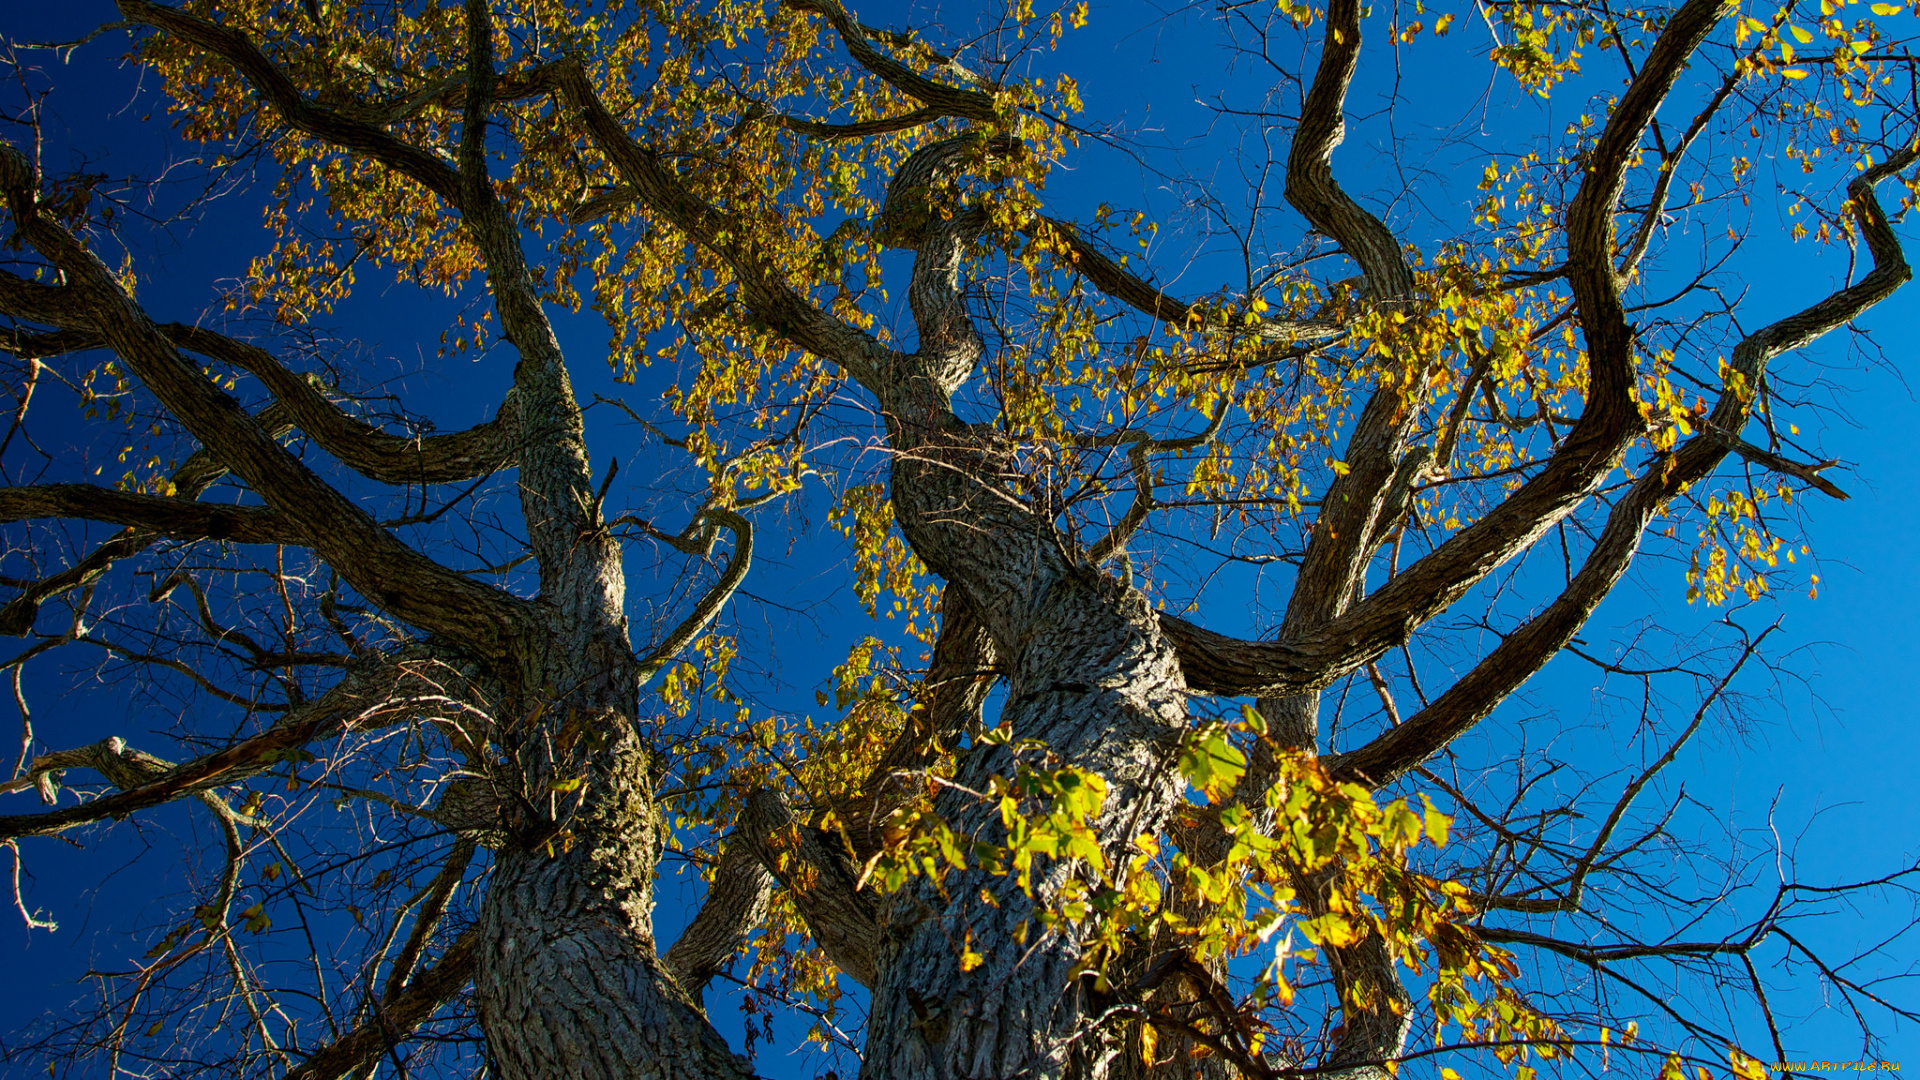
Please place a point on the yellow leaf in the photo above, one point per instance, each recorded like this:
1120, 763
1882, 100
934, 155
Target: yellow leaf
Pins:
1800, 35
1745, 1066
1332, 931
1149, 1044
1794, 73
1886, 9
1437, 823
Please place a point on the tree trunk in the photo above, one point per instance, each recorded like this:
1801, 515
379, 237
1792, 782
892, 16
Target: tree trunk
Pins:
569, 983
1097, 683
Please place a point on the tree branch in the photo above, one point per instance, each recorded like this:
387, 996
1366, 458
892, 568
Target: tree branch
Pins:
178, 518
948, 100
819, 879
1606, 427
424, 996
736, 905
377, 694
715, 598
293, 107
1528, 648
375, 454
407, 583
771, 299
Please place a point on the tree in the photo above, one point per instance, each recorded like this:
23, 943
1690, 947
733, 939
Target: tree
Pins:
1078, 884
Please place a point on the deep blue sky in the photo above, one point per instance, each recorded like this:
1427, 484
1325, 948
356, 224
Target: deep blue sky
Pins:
1826, 764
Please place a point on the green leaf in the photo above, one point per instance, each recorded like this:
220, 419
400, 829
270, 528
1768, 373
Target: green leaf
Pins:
1210, 762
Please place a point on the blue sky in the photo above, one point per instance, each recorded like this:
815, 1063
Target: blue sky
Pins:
1825, 763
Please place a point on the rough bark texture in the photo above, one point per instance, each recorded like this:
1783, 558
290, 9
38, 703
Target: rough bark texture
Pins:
567, 980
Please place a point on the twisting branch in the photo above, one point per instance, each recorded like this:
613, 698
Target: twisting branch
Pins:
949, 100
1349, 527
1143, 502
914, 216
1327, 649
715, 598
409, 584
1528, 648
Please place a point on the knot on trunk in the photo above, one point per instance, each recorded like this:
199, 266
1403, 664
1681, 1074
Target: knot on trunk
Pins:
473, 808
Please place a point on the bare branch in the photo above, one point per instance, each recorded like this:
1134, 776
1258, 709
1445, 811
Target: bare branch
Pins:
376, 695
424, 996
737, 903
177, 518
715, 598
409, 584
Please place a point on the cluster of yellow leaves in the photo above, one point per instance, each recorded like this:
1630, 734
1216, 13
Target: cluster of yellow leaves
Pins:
883, 564
1777, 41
1737, 550
702, 674
1248, 901
1540, 44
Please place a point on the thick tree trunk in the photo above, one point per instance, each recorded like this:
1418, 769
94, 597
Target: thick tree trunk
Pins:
1100, 686
1091, 675
569, 984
